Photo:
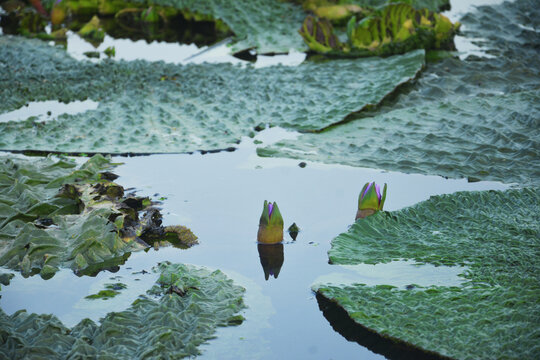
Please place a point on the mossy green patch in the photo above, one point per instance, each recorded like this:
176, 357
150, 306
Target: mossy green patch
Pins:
198, 107
110, 291
496, 235
432, 5
103, 294
462, 118
162, 324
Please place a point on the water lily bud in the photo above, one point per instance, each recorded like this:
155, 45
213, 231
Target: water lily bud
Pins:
370, 200
270, 224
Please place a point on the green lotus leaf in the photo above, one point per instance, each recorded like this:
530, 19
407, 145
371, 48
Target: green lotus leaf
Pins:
56, 214
493, 234
461, 118
139, 113
178, 314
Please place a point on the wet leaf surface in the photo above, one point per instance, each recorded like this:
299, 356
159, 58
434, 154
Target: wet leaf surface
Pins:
202, 107
157, 325
477, 117
494, 234
57, 214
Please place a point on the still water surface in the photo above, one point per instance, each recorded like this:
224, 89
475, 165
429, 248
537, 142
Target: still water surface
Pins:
220, 196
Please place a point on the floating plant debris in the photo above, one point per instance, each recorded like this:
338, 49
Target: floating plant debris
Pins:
110, 291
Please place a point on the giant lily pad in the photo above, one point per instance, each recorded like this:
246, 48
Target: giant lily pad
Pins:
53, 214
473, 118
156, 107
494, 234
178, 314
494, 137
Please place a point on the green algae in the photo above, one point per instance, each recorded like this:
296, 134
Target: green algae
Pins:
476, 117
110, 291
56, 214
494, 234
160, 324
189, 111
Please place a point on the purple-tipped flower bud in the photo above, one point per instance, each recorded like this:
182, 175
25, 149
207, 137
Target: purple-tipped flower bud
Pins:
270, 224
370, 199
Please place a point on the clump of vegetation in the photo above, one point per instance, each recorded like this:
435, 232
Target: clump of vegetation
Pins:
394, 29
179, 313
56, 214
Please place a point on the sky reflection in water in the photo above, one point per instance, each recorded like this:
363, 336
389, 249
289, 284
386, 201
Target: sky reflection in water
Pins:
218, 196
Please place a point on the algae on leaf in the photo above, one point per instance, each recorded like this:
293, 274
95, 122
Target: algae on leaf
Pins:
496, 235
198, 107
432, 5
177, 315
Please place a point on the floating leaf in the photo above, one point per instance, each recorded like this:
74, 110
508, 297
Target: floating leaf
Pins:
207, 106
494, 234
463, 118
161, 324
54, 214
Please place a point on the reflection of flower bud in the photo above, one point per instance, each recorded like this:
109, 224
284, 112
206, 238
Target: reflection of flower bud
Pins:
370, 200
270, 224
272, 258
